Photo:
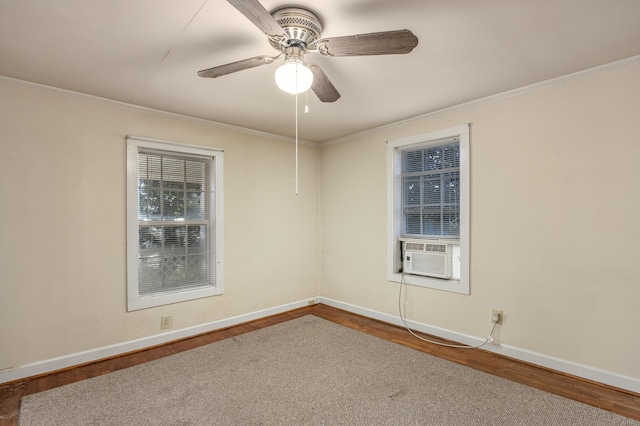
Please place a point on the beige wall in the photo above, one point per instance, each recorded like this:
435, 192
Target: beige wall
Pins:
63, 234
555, 202
555, 222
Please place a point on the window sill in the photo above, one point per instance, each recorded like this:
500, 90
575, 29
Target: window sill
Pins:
137, 302
453, 286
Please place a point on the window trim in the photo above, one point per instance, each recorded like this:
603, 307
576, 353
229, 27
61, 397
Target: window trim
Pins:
394, 191
134, 300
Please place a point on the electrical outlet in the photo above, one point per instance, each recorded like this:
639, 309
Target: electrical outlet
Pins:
496, 316
165, 322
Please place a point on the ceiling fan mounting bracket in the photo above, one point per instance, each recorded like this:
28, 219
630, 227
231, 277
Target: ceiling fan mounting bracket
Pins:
302, 27
294, 52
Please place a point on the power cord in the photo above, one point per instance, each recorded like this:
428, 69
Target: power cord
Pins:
402, 283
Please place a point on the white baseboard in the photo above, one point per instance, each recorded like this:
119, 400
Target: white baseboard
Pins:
583, 371
54, 364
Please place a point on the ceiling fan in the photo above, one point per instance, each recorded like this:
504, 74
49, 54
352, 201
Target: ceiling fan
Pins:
296, 31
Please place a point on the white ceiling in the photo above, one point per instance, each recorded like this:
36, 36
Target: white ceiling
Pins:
147, 52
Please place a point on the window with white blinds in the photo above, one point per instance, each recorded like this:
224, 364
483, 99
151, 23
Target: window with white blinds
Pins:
431, 190
177, 218
428, 187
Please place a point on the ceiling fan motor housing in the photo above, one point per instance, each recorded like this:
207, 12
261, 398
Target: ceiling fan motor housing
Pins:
303, 28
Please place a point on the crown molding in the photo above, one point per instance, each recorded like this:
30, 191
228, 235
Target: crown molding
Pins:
493, 98
147, 110
480, 101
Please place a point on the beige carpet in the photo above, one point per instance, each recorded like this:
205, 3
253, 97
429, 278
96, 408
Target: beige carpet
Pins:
306, 371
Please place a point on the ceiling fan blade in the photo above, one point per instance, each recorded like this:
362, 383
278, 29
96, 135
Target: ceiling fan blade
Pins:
236, 66
256, 13
383, 43
322, 86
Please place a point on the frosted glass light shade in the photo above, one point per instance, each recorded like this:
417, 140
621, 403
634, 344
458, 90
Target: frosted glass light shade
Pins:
294, 77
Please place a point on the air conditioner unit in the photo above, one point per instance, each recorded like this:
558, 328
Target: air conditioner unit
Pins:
428, 258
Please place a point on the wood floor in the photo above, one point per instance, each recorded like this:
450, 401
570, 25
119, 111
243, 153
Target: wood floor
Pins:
606, 397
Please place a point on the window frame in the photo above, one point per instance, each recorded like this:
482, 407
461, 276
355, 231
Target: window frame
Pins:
135, 300
394, 209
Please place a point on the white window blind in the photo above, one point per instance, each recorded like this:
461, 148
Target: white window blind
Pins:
174, 232
430, 177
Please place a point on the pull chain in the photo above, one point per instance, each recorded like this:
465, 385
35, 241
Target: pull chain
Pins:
306, 102
296, 129
296, 144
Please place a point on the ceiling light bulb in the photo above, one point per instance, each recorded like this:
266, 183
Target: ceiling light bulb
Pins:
294, 77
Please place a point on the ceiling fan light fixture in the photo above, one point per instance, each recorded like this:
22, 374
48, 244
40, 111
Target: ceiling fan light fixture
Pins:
294, 77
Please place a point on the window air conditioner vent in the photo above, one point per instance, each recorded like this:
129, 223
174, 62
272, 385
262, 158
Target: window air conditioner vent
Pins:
431, 259
414, 246
435, 248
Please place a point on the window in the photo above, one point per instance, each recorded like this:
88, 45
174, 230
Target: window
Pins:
174, 222
430, 180
428, 201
